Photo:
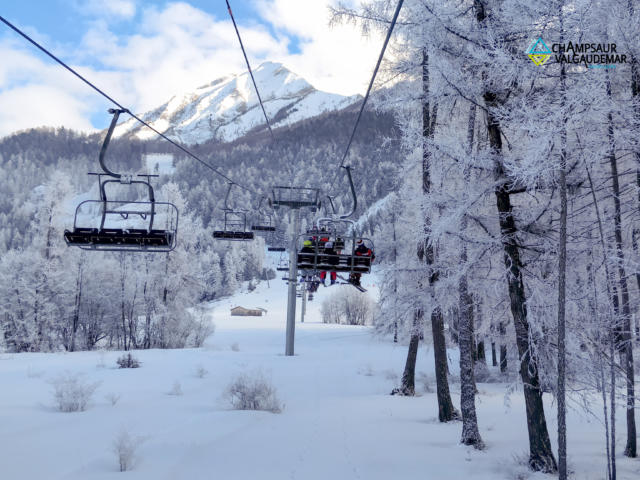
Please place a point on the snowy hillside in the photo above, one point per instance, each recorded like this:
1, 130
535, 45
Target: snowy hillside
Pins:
228, 107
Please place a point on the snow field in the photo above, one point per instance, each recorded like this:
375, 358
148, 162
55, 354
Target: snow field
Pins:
338, 422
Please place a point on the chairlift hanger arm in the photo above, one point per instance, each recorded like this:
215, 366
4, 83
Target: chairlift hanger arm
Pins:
353, 194
261, 203
103, 151
226, 197
371, 82
333, 208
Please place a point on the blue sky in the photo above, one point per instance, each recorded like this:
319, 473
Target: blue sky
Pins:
145, 51
60, 19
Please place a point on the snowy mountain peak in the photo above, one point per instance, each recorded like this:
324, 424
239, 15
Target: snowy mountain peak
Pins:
228, 107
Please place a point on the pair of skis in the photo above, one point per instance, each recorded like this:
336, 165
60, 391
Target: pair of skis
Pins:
346, 281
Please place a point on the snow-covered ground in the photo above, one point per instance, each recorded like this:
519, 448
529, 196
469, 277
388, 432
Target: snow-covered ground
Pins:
338, 422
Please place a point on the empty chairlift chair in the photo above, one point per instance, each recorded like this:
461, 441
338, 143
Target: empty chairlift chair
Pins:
120, 225
278, 241
265, 226
234, 227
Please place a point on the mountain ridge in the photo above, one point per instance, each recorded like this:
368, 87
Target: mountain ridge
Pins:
227, 108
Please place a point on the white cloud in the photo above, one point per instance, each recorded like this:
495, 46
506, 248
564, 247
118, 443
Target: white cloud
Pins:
337, 59
121, 9
37, 93
42, 105
176, 48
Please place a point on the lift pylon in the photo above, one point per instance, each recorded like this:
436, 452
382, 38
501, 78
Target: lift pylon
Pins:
294, 198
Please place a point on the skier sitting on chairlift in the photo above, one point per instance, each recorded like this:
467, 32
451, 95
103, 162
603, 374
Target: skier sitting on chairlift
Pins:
361, 251
306, 254
324, 238
328, 249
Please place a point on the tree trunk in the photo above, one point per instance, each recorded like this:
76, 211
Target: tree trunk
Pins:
502, 330
493, 354
408, 386
611, 331
482, 354
446, 411
76, 309
612, 399
562, 277
466, 336
470, 432
147, 332
634, 244
626, 345
395, 280
631, 424
481, 349
540, 453
562, 269
454, 327
123, 274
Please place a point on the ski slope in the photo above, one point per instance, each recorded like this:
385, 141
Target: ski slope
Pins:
338, 421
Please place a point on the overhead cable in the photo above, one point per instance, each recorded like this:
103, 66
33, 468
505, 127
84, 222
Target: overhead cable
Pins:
246, 59
366, 97
101, 92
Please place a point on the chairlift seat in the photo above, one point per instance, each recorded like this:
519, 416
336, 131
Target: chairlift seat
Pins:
127, 238
276, 249
93, 238
334, 263
233, 235
263, 228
